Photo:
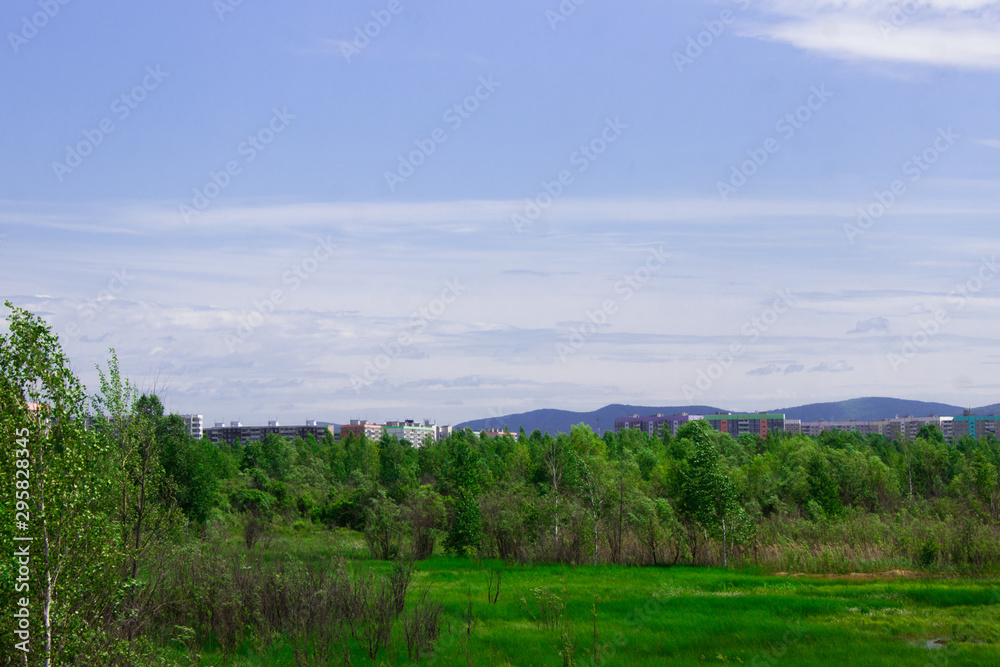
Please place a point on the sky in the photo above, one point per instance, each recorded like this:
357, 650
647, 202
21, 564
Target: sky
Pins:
402, 209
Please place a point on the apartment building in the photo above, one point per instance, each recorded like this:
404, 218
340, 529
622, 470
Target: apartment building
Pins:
977, 427
497, 433
361, 427
908, 428
194, 424
862, 427
654, 425
236, 431
737, 424
411, 431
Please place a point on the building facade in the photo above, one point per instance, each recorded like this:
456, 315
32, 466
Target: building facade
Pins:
908, 428
899, 428
195, 425
361, 427
236, 431
654, 425
497, 433
736, 425
411, 431
862, 427
977, 427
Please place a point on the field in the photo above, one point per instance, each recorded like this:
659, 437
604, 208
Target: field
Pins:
560, 615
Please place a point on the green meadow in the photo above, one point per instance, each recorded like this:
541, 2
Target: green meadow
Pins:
617, 615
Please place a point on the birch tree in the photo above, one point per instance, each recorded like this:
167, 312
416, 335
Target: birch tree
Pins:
71, 562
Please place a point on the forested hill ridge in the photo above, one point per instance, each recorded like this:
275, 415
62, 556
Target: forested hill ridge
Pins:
561, 421
861, 409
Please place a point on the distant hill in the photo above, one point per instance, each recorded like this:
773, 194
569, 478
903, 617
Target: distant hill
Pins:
861, 409
869, 409
561, 421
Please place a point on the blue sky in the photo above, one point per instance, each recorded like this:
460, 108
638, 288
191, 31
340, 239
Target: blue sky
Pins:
486, 208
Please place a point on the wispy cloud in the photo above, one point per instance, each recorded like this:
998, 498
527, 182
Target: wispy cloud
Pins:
462, 216
992, 143
947, 33
774, 369
832, 367
874, 324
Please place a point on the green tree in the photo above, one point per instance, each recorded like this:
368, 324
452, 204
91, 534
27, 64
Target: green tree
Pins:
128, 423
822, 488
192, 466
383, 528
466, 524
397, 467
708, 496
65, 483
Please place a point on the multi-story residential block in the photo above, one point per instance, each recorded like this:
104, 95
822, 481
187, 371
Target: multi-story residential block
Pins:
896, 428
194, 425
908, 428
976, 426
411, 431
236, 431
736, 425
654, 425
443, 432
862, 427
361, 427
496, 433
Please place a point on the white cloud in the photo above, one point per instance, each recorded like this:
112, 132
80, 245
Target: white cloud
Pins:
992, 143
947, 33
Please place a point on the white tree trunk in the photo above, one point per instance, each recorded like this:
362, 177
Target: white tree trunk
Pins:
725, 561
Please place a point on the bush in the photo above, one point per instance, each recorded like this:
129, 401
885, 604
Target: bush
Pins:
383, 529
929, 550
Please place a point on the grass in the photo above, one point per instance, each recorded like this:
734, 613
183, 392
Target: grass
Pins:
652, 616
